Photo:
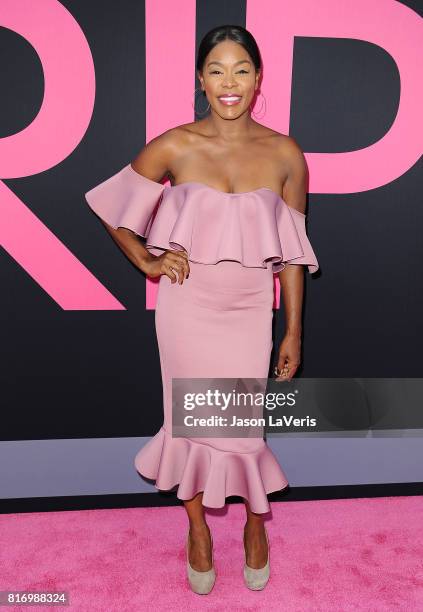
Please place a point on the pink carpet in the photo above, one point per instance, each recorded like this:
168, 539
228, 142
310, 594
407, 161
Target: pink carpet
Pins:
360, 554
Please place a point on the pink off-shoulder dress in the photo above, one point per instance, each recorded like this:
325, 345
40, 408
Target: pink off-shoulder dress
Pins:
218, 323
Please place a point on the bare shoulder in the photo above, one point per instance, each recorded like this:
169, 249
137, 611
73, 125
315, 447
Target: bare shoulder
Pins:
155, 158
296, 182
285, 147
289, 151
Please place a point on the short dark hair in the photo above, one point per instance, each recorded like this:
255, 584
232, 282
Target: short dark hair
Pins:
228, 32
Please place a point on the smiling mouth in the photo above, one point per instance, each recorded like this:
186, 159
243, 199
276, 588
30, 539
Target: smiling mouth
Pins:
230, 100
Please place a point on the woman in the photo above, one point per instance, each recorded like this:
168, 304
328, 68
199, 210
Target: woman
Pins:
233, 216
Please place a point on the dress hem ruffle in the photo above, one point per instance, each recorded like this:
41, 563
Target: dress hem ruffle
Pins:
196, 467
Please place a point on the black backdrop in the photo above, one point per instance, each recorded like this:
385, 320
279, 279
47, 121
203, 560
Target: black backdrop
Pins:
87, 374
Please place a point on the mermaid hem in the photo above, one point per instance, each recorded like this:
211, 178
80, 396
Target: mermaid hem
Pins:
195, 467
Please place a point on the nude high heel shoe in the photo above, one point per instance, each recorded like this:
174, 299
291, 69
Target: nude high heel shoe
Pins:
256, 579
201, 582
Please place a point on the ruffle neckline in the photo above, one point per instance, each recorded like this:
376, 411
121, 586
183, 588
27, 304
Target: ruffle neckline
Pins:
254, 228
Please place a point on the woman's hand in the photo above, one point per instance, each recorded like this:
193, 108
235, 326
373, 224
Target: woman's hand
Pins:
170, 260
289, 356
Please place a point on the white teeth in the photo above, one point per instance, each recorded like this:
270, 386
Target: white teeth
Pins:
230, 99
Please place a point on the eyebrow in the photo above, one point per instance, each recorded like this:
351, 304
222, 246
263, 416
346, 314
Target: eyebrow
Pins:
239, 62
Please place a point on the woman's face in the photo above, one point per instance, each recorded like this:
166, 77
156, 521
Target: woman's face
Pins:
229, 79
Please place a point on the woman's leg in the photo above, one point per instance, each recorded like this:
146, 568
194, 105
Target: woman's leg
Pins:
255, 539
200, 557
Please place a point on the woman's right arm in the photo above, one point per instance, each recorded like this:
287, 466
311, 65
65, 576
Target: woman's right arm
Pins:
152, 162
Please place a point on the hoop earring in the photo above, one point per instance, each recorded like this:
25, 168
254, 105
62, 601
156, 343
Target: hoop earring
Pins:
195, 100
263, 104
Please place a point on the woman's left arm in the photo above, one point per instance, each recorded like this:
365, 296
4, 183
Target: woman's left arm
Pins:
292, 276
